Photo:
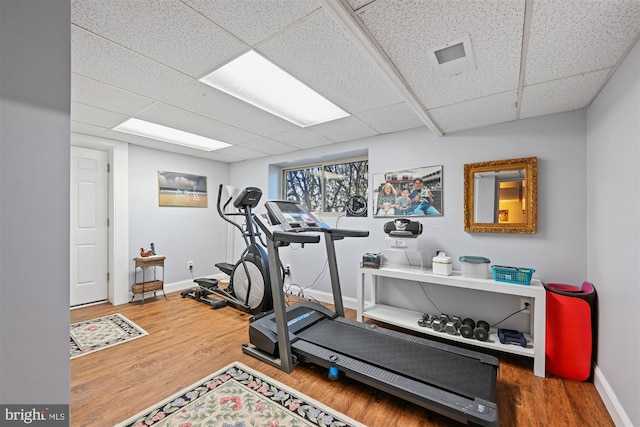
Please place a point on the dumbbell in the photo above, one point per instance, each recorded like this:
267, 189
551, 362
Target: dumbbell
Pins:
440, 323
426, 320
471, 329
511, 336
481, 331
453, 325
467, 327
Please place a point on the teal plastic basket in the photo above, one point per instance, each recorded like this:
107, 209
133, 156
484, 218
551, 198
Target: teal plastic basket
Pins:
517, 275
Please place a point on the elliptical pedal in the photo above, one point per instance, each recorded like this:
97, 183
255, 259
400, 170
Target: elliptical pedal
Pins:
207, 283
218, 304
225, 267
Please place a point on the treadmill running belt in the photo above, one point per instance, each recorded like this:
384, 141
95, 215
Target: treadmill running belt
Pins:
458, 374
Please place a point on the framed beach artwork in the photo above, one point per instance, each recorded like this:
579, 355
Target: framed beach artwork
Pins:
409, 192
182, 189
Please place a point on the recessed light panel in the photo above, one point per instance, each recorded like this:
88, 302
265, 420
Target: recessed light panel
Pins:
255, 80
171, 135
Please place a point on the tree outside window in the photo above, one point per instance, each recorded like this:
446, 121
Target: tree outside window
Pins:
327, 187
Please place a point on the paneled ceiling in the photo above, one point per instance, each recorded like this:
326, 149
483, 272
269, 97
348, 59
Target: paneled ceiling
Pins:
143, 59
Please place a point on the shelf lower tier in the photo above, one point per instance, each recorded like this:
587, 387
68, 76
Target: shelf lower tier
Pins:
408, 319
151, 286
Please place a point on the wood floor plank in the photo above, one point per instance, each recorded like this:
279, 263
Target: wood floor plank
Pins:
188, 341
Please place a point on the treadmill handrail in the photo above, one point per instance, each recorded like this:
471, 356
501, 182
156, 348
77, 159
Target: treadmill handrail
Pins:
340, 233
289, 237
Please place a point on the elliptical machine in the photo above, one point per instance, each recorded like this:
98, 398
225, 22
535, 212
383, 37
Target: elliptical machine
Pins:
249, 286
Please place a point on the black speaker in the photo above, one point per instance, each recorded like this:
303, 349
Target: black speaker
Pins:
481, 332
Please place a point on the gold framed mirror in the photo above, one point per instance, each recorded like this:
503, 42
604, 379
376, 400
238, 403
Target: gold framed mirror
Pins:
501, 196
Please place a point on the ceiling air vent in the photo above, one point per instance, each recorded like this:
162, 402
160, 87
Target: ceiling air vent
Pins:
453, 58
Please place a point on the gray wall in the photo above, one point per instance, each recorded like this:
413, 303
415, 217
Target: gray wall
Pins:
35, 62
613, 229
179, 233
557, 251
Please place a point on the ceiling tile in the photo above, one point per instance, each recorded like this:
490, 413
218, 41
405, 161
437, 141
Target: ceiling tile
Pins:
316, 51
302, 138
393, 118
240, 152
495, 29
269, 146
572, 37
255, 20
102, 60
96, 116
346, 129
476, 113
87, 129
101, 95
166, 31
177, 118
221, 157
357, 4
572, 93
209, 102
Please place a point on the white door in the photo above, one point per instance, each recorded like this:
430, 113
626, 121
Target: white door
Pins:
89, 193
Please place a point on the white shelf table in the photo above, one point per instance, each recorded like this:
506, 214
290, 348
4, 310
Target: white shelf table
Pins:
408, 319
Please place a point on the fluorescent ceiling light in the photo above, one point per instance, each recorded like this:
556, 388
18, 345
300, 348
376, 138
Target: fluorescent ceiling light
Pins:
255, 80
167, 134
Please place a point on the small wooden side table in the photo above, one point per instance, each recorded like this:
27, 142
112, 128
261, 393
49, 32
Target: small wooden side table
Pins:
155, 285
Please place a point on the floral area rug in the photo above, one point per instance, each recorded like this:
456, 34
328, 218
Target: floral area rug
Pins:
237, 396
97, 334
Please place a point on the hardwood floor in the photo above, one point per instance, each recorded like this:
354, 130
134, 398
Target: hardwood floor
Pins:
188, 341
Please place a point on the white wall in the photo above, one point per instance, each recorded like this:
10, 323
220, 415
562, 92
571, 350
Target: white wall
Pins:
34, 201
180, 233
557, 251
613, 231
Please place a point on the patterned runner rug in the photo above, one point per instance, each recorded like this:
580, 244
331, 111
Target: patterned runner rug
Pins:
96, 334
237, 396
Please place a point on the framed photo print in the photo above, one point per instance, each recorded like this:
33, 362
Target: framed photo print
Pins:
182, 189
409, 192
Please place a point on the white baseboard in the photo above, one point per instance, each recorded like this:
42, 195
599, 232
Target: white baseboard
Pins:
617, 412
327, 297
179, 286
186, 284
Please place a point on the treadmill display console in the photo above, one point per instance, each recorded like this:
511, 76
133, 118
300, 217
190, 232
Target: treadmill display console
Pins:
293, 217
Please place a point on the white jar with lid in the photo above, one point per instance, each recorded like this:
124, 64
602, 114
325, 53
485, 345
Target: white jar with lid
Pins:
475, 266
442, 264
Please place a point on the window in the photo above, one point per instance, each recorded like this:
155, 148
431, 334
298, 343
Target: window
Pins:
326, 187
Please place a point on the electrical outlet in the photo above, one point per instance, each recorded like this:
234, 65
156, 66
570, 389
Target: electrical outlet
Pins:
190, 265
525, 305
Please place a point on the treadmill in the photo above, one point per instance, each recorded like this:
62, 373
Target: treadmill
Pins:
455, 382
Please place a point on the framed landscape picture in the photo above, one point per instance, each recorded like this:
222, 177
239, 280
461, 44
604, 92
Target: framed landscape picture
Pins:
409, 192
182, 189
